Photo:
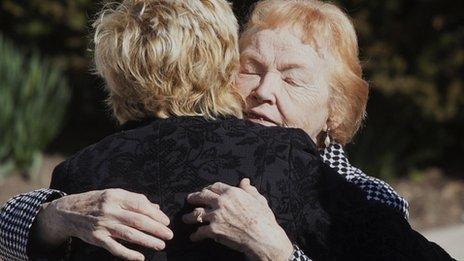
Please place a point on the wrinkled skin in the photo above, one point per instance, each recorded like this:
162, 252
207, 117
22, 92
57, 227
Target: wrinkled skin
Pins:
284, 82
102, 217
240, 218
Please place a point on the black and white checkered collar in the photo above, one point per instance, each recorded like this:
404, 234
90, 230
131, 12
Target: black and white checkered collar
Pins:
374, 188
334, 154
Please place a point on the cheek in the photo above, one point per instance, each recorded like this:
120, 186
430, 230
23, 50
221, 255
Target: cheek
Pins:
317, 113
246, 84
306, 108
289, 108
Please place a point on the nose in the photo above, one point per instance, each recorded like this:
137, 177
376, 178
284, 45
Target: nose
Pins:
266, 90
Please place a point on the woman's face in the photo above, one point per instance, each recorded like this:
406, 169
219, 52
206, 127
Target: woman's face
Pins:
284, 82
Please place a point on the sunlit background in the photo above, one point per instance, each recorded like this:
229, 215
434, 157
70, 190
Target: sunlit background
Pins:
51, 105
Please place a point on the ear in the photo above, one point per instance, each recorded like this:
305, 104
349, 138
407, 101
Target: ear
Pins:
325, 126
333, 122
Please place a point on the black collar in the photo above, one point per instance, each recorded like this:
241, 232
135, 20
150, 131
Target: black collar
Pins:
133, 124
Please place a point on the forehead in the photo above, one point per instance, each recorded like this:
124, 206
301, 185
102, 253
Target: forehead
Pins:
279, 45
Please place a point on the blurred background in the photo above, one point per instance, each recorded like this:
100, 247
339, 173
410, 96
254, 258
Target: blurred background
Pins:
51, 105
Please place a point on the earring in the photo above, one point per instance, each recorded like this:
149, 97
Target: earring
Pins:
327, 139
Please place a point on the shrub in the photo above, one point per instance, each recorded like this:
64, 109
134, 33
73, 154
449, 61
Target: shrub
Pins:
33, 98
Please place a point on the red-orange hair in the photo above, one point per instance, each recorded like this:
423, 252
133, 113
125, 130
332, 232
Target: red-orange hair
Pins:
331, 33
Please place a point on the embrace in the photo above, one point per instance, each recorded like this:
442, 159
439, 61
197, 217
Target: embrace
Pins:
230, 148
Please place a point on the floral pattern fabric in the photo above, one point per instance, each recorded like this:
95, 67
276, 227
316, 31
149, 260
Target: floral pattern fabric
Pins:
326, 216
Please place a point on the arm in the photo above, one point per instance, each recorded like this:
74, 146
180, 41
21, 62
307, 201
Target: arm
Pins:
40, 222
356, 228
100, 218
374, 189
377, 231
16, 219
104, 218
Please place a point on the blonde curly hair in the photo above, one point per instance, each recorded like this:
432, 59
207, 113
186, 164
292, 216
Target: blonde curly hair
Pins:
168, 58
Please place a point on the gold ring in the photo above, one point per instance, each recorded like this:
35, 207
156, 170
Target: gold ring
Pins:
199, 218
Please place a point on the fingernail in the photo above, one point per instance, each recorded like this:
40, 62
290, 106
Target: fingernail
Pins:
170, 235
161, 246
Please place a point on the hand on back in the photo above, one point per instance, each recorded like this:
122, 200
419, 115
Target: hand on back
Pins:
103, 218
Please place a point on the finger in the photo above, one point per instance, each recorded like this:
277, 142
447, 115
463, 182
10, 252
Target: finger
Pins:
252, 190
202, 233
118, 250
198, 215
219, 187
140, 204
144, 223
244, 183
132, 235
205, 197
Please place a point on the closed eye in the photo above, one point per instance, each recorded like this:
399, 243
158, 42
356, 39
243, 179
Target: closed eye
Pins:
292, 82
295, 78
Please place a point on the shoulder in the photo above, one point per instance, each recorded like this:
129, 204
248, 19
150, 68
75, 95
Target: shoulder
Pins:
380, 191
249, 132
82, 164
374, 189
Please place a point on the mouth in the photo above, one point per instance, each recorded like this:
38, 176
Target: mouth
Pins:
260, 119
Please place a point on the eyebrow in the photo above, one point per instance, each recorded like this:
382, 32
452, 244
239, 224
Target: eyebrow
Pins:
251, 57
257, 61
254, 61
290, 66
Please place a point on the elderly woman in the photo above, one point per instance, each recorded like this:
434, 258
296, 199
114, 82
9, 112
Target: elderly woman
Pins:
300, 70
295, 74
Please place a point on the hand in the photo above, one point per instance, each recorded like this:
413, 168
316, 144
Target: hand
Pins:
101, 218
239, 218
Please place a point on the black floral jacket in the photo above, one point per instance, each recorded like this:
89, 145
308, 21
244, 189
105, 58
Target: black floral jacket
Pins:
166, 159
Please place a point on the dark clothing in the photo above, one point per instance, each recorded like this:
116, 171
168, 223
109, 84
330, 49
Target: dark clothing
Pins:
166, 159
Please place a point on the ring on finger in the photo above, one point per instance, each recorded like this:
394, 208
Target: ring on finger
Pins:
199, 214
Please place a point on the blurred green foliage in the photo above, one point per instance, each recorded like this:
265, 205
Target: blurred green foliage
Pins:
57, 28
413, 57
33, 99
412, 53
